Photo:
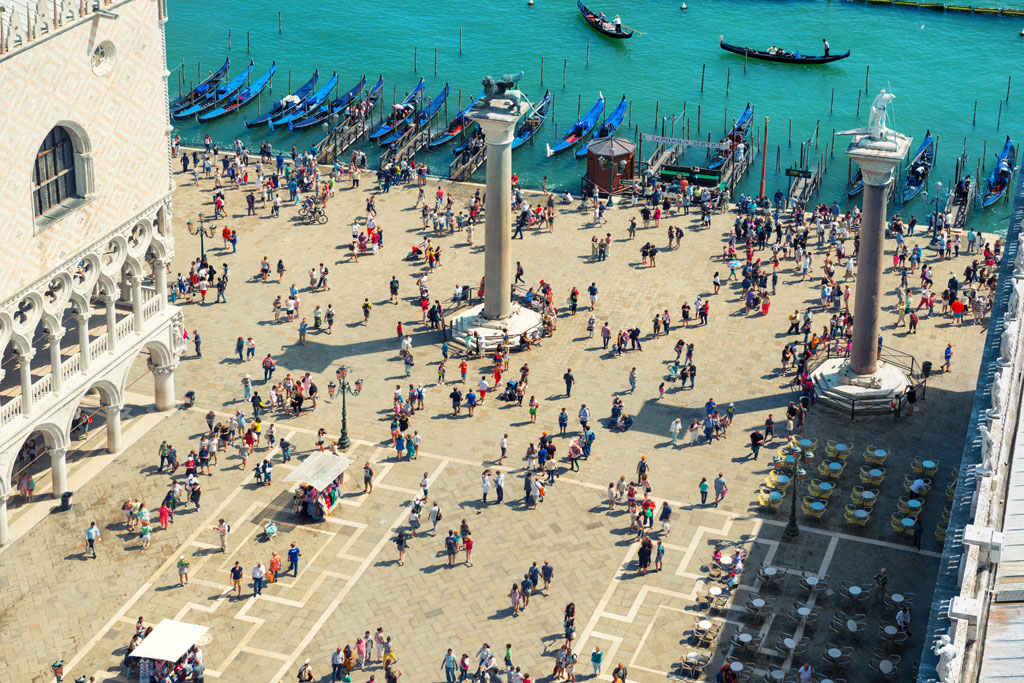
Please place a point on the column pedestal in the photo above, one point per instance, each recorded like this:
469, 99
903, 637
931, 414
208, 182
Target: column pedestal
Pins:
163, 386
59, 471
113, 414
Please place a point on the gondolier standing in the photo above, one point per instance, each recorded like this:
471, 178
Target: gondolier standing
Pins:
618, 24
827, 46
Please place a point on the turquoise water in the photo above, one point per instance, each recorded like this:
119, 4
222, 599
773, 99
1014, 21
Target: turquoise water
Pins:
937, 64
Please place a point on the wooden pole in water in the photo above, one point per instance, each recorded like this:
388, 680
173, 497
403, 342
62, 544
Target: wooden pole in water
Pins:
289, 80
588, 51
833, 153
698, 119
460, 99
279, 21
673, 133
974, 119
744, 61
984, 155
460, 44
629, 115
858, 104
849, 171
702, 68
579, 104
816, 124
435, 62
867, 73
764, 155
790, 143
1009, 80
778, 158
564, 62
657, 105
831, 100
542, 71
229, 40
1000, 119
248, 44
728, 75
414, 70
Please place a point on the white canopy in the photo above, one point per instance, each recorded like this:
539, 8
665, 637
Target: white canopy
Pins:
319, 470
169, 640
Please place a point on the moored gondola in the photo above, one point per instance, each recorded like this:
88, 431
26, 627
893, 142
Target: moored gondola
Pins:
202, 88
242, 98
339, 104
919, 168
402, 113
580, 129
460, 124
287, 103
608, 128
216, 96
302, 109
999, 179
738, 134
533, 121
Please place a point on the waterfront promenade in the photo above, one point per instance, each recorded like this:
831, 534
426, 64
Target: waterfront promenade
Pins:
58, 604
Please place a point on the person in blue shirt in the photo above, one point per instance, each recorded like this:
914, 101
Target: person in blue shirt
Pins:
948, 356
293, 559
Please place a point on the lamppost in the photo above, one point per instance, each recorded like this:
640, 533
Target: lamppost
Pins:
203, 233
344, 442
792, 530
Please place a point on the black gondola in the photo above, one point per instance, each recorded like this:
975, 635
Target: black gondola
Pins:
606, 27
781, 55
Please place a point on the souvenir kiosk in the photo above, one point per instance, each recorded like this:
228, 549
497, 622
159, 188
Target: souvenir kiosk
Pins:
319, 479
170, 648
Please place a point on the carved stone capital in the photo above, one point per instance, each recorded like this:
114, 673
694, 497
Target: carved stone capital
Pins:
54, 338
167, 369
112, 410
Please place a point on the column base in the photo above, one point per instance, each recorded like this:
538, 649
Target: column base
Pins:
835, 383
472, 321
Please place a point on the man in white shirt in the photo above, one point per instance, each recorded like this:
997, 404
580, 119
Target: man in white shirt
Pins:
425, 485
258, 573
499, 485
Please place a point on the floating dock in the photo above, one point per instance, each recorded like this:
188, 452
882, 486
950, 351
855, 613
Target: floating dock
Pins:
940, 7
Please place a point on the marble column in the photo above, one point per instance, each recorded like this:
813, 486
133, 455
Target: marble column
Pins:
160, 278
499, 131
59, 470
163, 385
136, 285
876, 157
25, 368
113, 414
56, 372
5, 534
109, 300
82, 319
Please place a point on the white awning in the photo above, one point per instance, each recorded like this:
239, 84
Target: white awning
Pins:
169, 640
319, 470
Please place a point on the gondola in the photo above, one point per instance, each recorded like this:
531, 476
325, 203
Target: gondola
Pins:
240, 99
919, 168
999, 179
322, 94
606, 27
782, 56
738, 134
534, 120
400, 116
857, 186
459, 124
339, 104
422, 118
608, 128
203, 87
215, 96
580, 129
287, 103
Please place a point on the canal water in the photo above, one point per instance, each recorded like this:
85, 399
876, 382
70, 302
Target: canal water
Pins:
937, 64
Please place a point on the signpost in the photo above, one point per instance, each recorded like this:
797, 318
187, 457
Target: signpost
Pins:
686, 143
798, 173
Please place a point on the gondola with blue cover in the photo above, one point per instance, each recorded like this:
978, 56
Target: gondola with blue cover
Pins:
241, 98
919, 168
608, 128
999, 178
215, 97
204, 86
580, 129
533, 121
402, 114
738, 134
338, 105
288, 103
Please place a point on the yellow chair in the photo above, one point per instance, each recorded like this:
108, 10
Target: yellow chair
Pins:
931, 471
815, 490
940, 533
850, 516
823, 468
871, 458
946, 512
764, 499
808, 509
841, 456
915, 465
865, 476
896, 522
857, 495
951, 491
869, 502
830, 448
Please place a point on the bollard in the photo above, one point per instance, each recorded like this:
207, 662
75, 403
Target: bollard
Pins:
790, 143
1009, 80
698, 119
564, 62
833, 143
657, 106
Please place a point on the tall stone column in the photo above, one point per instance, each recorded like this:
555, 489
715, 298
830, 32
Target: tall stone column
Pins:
160, 280
5, 534
499, 131
877, 154
25, 368
163, 385
56, 372
113, 414
59, 470
82, 319
109, 300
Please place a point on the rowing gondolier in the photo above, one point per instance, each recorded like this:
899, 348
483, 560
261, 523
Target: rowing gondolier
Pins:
827, 46
617, 23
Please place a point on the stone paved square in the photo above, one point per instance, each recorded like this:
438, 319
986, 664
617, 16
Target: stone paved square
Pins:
57, 603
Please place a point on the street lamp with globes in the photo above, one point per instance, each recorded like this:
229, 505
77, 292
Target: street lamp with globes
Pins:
203, 232
344, 442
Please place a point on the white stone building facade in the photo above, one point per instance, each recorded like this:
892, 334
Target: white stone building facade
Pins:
85, 220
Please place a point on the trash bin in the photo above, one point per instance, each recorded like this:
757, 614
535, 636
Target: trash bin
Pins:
190, 398
805, 401
926, 368
65, 500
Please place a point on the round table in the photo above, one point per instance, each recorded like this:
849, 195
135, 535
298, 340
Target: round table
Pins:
826, 486
890, 630
806, 443
789, 643
908, 523
757, 603
875, 473
868, 495
778, 675
804, 612
775, 495
770, 571
737, 666
743, 638
860, 514
734, 264
840, 447
715, 591
704, 624
817, 505
852, 626
782, 479
835, 467
812, 581
834, 653
914, 504
880, 453
692, 656
790, 459
928, 464
856, 590
885, 666
896, 598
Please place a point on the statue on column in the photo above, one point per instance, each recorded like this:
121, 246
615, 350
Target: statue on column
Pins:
505, 89
949, 659
877, 117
